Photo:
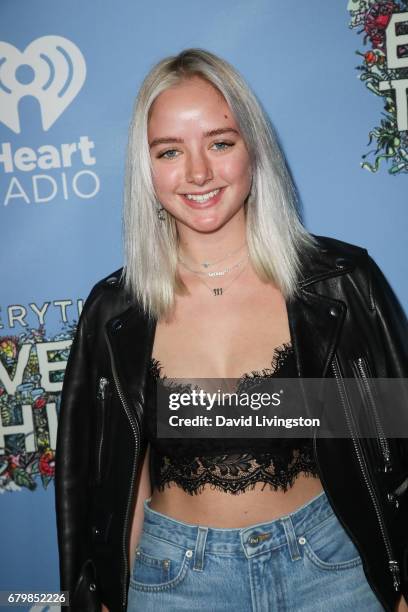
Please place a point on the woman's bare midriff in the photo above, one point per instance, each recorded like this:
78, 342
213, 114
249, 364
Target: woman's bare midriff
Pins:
215, 508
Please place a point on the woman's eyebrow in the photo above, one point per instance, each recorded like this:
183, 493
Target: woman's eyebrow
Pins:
220, 131
171, 139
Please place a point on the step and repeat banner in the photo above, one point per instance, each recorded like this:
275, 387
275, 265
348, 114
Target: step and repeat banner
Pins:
333, 77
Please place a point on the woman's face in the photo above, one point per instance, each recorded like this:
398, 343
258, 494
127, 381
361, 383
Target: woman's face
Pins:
201, 167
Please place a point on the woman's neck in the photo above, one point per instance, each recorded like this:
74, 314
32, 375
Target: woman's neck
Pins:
199, 247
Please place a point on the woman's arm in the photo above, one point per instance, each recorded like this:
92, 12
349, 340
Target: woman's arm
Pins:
143, 492
73, 459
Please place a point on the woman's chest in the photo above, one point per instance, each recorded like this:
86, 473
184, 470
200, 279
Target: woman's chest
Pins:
223, 342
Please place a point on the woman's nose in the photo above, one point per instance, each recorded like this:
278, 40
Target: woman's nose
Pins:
198, 169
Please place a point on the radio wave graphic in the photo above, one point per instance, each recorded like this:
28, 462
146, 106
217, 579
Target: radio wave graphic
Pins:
58, 71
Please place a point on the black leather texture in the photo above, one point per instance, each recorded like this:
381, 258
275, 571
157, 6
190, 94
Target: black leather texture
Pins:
345, 309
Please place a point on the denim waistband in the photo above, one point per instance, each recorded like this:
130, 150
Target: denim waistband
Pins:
252, 540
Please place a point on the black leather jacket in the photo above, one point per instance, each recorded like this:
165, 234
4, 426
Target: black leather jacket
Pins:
345, 310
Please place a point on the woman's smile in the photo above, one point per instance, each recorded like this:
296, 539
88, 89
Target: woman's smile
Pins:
205, 200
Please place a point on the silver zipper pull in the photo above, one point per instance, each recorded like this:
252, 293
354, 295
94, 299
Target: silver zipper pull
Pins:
387, 465
393, 499
103, 382
393, 565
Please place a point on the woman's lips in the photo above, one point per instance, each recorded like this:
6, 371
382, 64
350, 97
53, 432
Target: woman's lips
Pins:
199, 205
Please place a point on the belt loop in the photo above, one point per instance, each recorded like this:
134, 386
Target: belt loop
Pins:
291, 538
200, 548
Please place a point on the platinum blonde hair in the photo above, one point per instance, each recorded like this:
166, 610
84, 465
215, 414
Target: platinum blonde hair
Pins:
277, 240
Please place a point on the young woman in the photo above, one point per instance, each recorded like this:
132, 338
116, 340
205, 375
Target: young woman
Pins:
223, 282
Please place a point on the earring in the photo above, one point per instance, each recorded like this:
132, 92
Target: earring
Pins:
161, 215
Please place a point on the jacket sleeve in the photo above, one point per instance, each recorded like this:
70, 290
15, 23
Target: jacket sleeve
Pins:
392, 322
393, 326
72, 464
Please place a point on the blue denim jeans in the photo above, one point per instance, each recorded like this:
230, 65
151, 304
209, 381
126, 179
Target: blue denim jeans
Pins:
301, 562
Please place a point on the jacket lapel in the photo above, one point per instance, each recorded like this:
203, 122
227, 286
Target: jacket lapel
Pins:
315, 318
315, 323
131, 336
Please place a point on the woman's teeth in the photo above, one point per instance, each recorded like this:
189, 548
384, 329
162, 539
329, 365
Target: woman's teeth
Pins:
202, 198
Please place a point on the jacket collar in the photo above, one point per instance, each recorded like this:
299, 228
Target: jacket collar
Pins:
315, 322
315, 318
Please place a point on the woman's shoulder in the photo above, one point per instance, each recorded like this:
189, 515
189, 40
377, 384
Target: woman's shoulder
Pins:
112, 280
332, 256
107, 298
334, 248
355, 270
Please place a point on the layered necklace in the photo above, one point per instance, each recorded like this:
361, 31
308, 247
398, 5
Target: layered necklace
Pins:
217, 291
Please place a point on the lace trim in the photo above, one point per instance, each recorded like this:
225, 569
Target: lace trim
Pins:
235, 473
230, 471
280, 356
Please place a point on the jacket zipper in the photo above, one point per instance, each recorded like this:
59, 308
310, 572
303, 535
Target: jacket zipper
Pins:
381, 438
392, 563
103, 383
134, 423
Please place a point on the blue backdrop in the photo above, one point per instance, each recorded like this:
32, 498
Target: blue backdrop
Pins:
69, 72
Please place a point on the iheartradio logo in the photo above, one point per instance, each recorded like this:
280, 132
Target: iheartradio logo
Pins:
52, 69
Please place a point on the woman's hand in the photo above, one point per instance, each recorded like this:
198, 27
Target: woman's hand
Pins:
105, 609
402, 605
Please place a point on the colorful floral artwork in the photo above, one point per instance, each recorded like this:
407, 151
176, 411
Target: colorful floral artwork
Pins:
371, 19
29, 414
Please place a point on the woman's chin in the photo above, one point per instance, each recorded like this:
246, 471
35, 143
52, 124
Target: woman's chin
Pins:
204, 224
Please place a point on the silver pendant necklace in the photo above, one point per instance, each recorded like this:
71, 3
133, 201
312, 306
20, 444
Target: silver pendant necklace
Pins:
216, 272
208, 264
216, 291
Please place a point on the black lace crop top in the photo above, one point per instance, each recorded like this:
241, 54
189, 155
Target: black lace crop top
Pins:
231, 465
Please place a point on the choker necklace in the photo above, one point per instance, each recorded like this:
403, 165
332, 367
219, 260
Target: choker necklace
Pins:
216, 272
208, 264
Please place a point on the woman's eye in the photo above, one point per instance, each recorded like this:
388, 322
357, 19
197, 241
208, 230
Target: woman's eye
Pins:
169, 154
221, 146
